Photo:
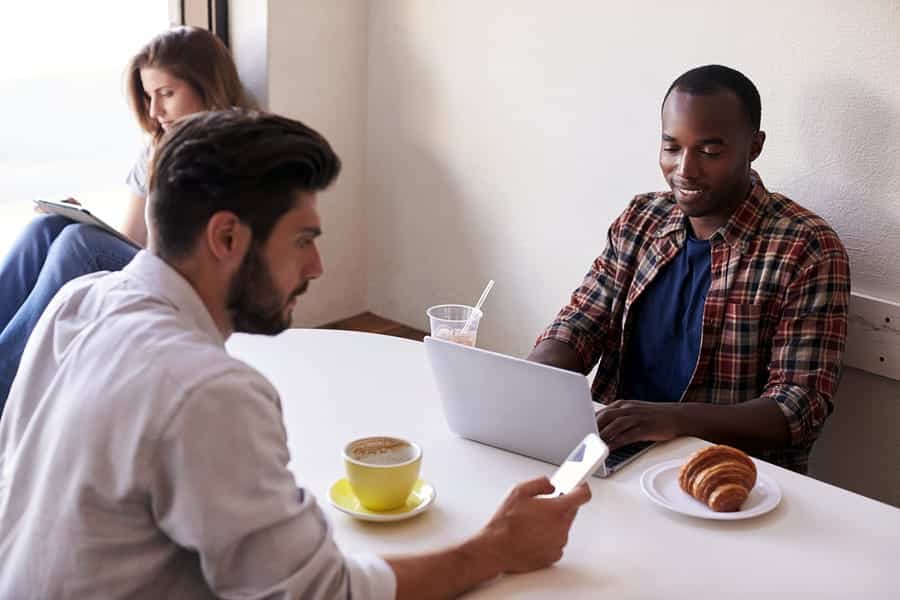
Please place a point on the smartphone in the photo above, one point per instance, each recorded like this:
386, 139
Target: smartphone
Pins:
581, 463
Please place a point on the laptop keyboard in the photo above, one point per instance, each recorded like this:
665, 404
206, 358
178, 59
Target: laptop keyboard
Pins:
620, 455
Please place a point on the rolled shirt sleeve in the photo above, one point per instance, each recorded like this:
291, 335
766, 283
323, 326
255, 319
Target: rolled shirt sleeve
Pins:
370, 577
221, 489
584, 323
809, 342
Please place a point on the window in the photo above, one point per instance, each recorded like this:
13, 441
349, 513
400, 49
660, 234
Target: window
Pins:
67, 128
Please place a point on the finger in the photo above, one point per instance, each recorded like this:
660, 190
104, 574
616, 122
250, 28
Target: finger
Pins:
630, 436
617, 432
615, 410
607, 416
569, 503
580, 495
534, 487
631, 405
620, 420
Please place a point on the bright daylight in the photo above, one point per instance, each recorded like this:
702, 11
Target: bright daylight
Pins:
67, 129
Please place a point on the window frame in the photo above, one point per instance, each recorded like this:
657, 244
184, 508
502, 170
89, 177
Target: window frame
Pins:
211, 15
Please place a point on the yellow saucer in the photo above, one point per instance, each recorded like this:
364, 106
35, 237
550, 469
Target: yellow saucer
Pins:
343, 499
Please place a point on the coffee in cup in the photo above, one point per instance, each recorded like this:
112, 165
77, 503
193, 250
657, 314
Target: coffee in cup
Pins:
382, 471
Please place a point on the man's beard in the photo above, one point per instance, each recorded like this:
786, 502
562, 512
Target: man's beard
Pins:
254, 301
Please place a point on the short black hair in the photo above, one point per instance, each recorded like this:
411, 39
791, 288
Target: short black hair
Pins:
709, 79
244, 161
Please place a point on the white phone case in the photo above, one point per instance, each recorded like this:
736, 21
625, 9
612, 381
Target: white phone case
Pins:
581, 463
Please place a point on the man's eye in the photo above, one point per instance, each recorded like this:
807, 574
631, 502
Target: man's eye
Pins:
710, 153
302, 243
670, 149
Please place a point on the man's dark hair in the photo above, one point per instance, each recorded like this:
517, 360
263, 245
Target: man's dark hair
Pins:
247, 162
709, 79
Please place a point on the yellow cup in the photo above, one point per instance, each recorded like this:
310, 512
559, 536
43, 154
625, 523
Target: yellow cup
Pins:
382, 470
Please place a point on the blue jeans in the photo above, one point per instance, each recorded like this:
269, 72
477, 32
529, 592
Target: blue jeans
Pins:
50, 252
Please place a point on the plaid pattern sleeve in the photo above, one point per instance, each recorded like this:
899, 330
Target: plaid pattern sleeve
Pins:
584, 323
774, 320
808, 343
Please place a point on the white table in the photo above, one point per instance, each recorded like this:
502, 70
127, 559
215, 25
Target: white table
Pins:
821, 542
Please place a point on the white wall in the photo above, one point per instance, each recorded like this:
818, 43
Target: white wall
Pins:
306, 59
504, 137
860, 447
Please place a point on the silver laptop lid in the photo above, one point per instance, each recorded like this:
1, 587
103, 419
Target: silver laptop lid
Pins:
513, 404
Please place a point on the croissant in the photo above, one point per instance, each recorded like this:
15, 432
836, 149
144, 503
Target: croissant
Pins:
719, 476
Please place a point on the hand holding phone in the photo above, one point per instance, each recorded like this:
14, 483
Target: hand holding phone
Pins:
581, 463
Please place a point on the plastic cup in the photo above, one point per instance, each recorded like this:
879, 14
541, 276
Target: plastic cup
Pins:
448, 320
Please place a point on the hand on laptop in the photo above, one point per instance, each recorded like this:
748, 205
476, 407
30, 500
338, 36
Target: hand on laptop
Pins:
626, 421
528, 533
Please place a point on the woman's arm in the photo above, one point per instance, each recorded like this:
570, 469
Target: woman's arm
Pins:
135, 224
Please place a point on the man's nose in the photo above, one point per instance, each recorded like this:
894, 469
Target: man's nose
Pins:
688, 166
314, 267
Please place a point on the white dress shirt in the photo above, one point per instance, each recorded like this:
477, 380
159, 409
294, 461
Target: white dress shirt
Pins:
138, 459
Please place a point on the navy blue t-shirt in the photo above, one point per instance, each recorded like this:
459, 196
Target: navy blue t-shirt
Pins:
668, 319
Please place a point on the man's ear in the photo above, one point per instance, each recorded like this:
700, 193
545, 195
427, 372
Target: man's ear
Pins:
227, 237
756, 144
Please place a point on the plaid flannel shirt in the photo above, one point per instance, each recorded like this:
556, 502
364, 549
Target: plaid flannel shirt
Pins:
775, 318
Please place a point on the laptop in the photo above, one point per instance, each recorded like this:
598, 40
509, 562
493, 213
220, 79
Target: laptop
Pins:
517, 405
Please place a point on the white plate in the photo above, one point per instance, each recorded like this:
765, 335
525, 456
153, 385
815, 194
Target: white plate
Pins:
660, 484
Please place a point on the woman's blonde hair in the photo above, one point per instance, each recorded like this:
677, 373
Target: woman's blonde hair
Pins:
195, 56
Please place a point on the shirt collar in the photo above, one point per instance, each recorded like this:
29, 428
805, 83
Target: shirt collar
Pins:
168, 283
739, 228
744, 222
673, 223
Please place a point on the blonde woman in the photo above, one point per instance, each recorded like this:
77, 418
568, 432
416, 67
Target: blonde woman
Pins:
179, 72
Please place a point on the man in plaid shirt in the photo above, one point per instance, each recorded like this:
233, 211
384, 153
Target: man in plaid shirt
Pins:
717, 309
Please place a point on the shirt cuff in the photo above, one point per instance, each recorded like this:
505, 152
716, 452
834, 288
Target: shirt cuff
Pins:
565, 333
371, 578
799, 408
